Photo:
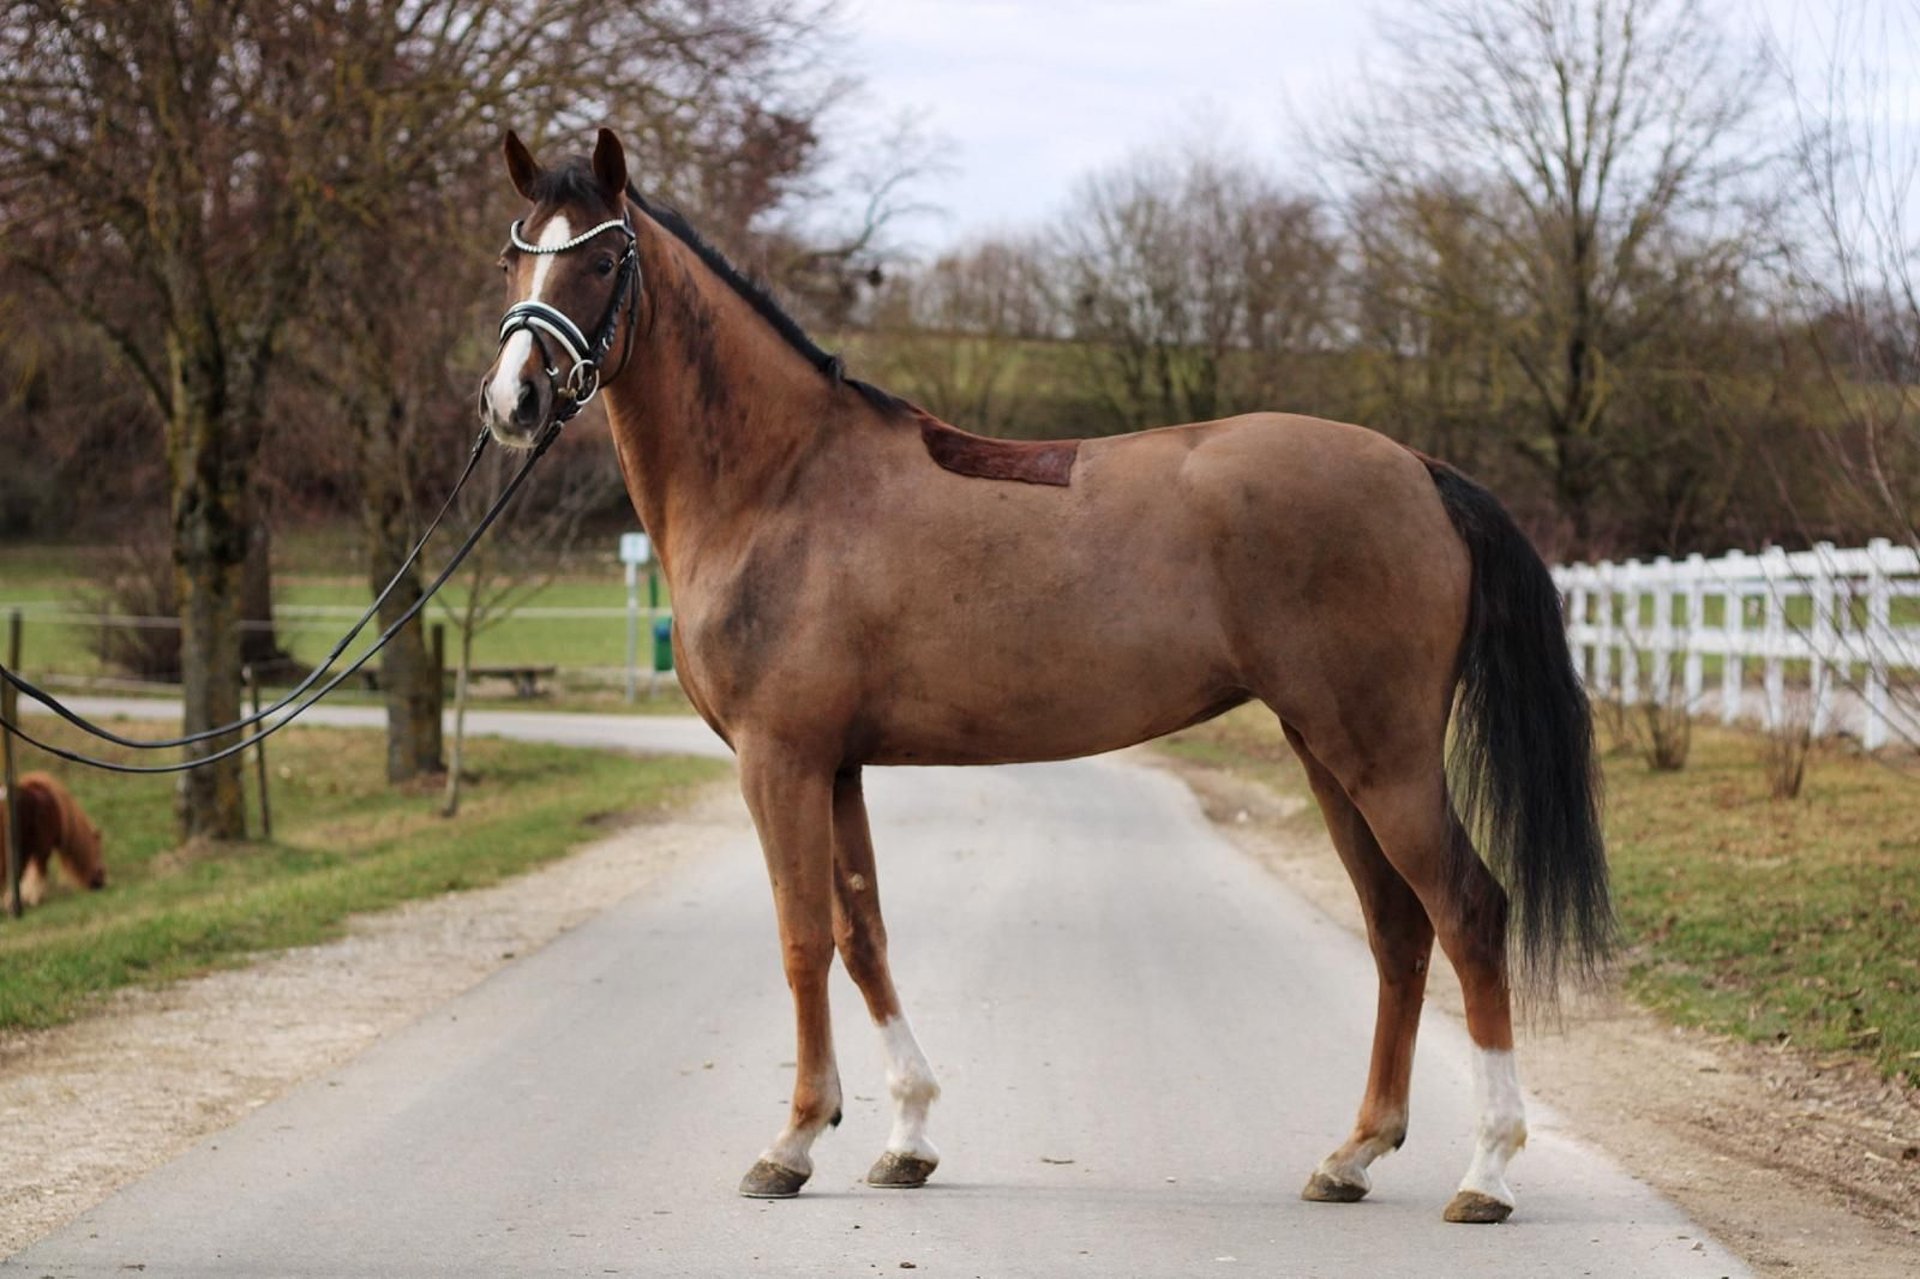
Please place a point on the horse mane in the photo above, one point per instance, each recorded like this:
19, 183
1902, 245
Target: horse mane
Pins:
754, 292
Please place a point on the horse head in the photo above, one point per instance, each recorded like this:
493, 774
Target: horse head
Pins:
573, 289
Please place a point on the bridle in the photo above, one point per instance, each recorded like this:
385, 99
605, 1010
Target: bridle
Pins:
543, 323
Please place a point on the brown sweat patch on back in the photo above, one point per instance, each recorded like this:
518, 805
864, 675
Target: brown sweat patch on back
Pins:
1027, 461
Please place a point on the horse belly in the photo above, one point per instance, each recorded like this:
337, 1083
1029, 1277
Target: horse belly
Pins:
1006, 686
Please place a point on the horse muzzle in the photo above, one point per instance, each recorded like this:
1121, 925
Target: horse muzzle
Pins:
517, 403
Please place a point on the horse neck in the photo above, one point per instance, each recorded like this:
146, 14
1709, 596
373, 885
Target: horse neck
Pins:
717, 410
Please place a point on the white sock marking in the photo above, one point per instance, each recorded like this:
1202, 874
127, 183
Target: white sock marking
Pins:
503, 392
793, 1148
1502, 1129
910, 1080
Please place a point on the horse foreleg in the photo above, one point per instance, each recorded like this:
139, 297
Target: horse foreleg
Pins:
1402, 942
791, 800
861, 935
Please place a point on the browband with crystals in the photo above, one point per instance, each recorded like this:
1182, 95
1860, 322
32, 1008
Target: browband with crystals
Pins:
513, 234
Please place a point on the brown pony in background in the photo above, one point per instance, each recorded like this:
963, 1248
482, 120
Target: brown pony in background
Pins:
857, 583
51, 824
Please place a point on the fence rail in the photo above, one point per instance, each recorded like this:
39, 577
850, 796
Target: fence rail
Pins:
1829, 610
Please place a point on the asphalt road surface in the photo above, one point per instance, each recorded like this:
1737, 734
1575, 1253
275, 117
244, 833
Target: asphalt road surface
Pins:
1145, 1041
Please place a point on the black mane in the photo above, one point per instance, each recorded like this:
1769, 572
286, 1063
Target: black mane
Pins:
753, 291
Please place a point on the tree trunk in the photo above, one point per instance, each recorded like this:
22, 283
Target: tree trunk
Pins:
211, 520
259, 647
409, 678
452, 805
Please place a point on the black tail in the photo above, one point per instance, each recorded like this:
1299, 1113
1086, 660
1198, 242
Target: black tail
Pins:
1521, 767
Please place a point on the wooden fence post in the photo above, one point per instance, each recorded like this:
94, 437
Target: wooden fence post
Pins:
1662, 644
1603, 650
1878, 629
1696, 629
1632, 636
1732, 622
1775, 636
259, 754
1577, 617
10, 711
1821, 639
438, 636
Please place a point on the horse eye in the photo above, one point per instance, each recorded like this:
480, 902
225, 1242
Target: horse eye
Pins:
604, 266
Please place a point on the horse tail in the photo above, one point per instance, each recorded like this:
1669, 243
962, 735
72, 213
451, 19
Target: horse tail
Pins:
1521, 765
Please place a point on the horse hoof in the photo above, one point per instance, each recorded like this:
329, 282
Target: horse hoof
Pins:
895, 1171
1322, 1189
1474, 1208
767, 1180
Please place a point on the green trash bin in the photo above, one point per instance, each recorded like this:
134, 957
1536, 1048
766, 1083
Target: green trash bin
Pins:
663, 643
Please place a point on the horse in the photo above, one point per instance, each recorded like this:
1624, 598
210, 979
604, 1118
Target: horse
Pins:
857, 583
51, 822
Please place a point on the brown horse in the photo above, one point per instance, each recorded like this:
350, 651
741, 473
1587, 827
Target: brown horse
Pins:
51, 824
857, 583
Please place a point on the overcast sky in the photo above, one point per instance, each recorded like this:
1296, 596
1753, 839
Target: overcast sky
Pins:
1031, 94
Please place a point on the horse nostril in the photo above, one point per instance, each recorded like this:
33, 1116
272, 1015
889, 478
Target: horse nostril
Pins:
527, 407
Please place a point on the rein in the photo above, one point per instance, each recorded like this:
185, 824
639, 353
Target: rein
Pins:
572, 393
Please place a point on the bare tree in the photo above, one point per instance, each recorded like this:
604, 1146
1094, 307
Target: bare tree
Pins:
953, 336
1857, 285
1192, 284
521, 555
1857, 262
184, 156
1587, 150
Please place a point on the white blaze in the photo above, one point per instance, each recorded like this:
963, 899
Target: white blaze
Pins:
504, 390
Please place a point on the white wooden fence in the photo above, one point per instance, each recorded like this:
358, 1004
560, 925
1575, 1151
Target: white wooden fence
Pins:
1749, 608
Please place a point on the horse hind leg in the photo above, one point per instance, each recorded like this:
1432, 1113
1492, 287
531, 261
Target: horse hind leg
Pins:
861, 935
1401, 938
1425, 842
790, 799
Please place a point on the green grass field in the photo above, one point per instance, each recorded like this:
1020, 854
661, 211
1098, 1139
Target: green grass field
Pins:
343, 842
310, 571
1794, 921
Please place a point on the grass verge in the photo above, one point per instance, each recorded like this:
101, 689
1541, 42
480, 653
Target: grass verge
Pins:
343, 843
1794, 922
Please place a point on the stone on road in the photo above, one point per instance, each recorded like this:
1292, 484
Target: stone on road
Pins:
1146, 1044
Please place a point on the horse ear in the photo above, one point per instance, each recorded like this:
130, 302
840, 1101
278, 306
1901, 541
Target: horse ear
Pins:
521, 166
610, 166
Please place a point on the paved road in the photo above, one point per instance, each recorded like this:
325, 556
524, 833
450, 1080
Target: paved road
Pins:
1146, 1043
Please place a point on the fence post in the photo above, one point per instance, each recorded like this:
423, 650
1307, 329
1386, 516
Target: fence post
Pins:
1632, 635
1662, 580
633, 630
1603, 615
10, 711
1879, 634
1577, 617
437, 638
1821, 637
1696, 576
1774, 634
1733, 623
259, 754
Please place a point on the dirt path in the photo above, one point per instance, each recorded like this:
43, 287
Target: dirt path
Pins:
89, 1107
1805, 1166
